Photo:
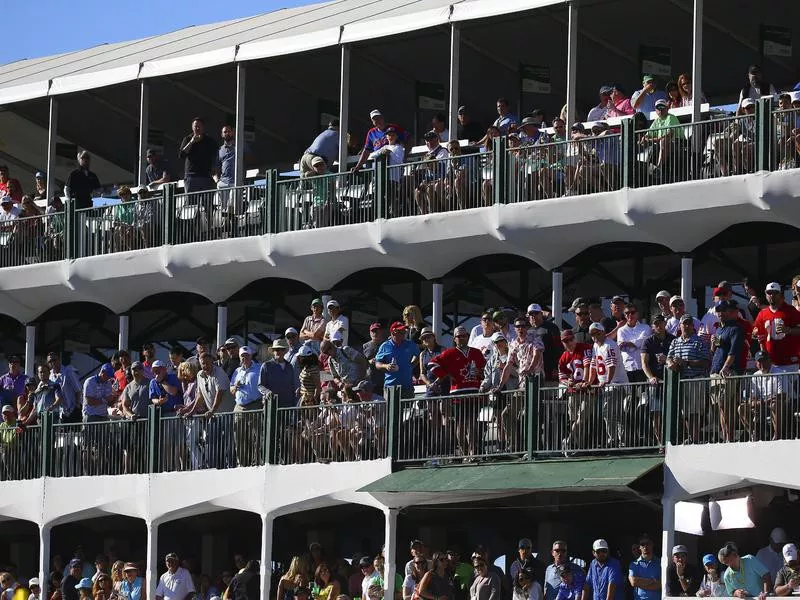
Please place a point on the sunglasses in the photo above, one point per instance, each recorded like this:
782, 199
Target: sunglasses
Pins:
581, 314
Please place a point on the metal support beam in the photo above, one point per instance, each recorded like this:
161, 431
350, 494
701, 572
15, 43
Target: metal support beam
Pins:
572, 61
124, 332
151, 577
390, 550
697, 59
44, 561
344, 107
52, 136
438, 308
558, 297
222, 324
266, 554
144, 129
686, 279
241, 99
455, 69
30, 350
668, 531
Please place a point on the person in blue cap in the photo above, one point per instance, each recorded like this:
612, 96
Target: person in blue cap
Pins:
97, 394
711, 584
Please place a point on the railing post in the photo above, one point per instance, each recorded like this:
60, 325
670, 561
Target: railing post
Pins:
671, 405
381, 189
393, 396
271, 211
628, 143
46, 422
70, 229
169, 214
499, 170
532, 414
764, 135
154, 433
270, 431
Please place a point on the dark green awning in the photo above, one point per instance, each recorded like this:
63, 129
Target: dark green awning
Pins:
517, 478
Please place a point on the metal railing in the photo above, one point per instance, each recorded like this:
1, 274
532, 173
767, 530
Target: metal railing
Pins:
786, 140
326, 200
29, 240
583, 165
132, 225
217, 214
20, 453
705, 150
99, 448
341, 432
739, 408
457, 182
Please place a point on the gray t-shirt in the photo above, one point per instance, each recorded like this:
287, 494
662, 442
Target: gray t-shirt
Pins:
208, 386
485, 587
137, 397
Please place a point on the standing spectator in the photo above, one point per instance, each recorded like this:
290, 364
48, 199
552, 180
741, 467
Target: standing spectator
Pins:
604, 578
370, 351
40, 186
550, 335
82, 183
165, 389
157, 171
526, 560
506, 119
313, 328
662, 303
199, 153
337, 322
481, 335
376, 137
370, 575
606, 370
687, 352
132, 586
644, 573
97, 395
644, 100
756, 87
324, 146
292, 337
496, 360
573, 373
526, 587
439, 125
231, 360
176, 583
777, 328
226, 159
468, 129
47, 397
787, 580
654, 359
135, 399
246, 584
277, 376
35, 589
12, 384
244, 387
396, 358
10, 186
729, 357
683, 578
620, 103
553, 573
486, 584
583, 321
678, 309
745, 575
600, 112
771, 555
69, 584
631, 338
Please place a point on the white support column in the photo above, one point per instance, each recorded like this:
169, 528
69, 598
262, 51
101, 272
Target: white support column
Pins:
30, 349
144, 128
455, 69
222, 324
344, 107
44, 560
124, 332
686, 280
667, 534
697, 59
390, 551
558, 297
438, 308
266, 555
572, 61
241, 99
152, 559
52, 136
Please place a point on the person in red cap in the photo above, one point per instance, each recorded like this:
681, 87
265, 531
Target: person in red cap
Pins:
396, 358
573, 370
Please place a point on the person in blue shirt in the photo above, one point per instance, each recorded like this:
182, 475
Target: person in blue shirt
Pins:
644, 100
746, 576
644, 573
604, 579
728, 358
324, 146
278, 376
396, 357
244, 387
572, 582
165, 389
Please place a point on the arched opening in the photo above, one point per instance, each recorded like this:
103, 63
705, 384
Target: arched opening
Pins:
19, 549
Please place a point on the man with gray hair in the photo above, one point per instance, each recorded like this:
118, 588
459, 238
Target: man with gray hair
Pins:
745, 577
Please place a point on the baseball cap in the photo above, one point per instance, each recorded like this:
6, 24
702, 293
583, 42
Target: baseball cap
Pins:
31, 380
747, 102
460, 331
679, 549
431, 135
84, 584
497, 337
130, 567
136, 366
317, 160
600, 544
778, 535
425, 331
83, 153
761, 355
529, 121
171, 555
661, 102
337, 336
577, 127
150, 152
687, 318
375, 113
8, 408
75, 562
158, 363
397, 326
534, 308
723, 305
521, 322
648, 78
316, 302
232, 342
675, 299
245, 350
391, 130
709, 559
789, 552
663, 294
616, 299
332, 303
576, 303
596, 327
33, 581
363, 386
606, 89
364, 562
6, 200
525, 543
567, 334
40, 175
658, 317
290, 331
773, 287
305, 350
375, 326
107, 370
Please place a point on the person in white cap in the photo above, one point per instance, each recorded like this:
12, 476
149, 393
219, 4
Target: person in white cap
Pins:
338, 322
496, 362
677, 308
244, 387
683, 578
550, 335
777, 327
35, 588
787, 581
662, 301
292, 337
604, 580
376, 137
771, 555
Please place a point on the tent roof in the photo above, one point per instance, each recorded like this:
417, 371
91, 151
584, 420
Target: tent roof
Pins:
276, 33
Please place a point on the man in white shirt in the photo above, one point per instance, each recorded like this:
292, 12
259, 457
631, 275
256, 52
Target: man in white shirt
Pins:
765, 394
176, 583
678, 308
481, 335
338, 322
606, 369
630, 339
771, 555
8, 212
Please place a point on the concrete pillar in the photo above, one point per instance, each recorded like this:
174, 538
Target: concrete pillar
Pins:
222, 324
266, 554
558, 297
668, 535
44, 560
239, 143
124, 332
152, 559
390, 551
455, 68
30, 349
344, 107
144, 129
52, 138
438, 308
572, 62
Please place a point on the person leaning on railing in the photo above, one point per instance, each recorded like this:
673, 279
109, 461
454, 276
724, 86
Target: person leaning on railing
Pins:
395, 154
430, 176
688, 355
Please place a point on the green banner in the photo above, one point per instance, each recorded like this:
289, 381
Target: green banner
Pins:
656, 60
534, 79
431, 96
776, 41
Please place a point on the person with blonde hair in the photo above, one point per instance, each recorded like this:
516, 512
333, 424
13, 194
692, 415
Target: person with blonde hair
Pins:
289, 582
413, 320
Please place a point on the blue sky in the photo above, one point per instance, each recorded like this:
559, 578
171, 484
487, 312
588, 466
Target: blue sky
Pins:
41, 27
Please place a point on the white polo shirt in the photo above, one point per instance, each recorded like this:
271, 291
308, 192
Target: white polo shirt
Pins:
175, 586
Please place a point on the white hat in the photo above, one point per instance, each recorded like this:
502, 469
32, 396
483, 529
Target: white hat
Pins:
773, 287
747, 102
778, 535
291, 330
157, 363
679, 549
596, 327
662, 294
498, 337
460, 331
789, 552
375, 113
600, 544
675, 299
245, 350
333, 303
306, 350
33, 581
534, 308
336, 336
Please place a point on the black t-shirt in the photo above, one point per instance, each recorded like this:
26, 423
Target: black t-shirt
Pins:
472, 131
654, 346
246, 586
68, 591
550, 335
201, 157
582, 335
81, 184
691, 572
156, 171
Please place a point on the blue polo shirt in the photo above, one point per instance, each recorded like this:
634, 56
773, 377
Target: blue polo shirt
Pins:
651, 569
158, 391
748, 577
95, 388
403, 355
600, 576
731, 343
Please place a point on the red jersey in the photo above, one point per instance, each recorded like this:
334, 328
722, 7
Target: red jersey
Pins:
783, 349
465, 368
17, 195
747, 328
575, 365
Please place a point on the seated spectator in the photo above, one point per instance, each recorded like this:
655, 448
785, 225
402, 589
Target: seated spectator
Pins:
787, 581
756, 87
376, 137
766, 396
439, 125
600, 112
745, 576
506, 120
664, 131
711, 585
621, 104
685, 90
157, 171
40, 186
10, 186
126, 234
8, 214
430, 176
644, 100
469, 130
460, 178
683, 578
674, 98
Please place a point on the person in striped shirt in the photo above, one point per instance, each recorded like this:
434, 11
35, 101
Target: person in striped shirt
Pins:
688, 355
